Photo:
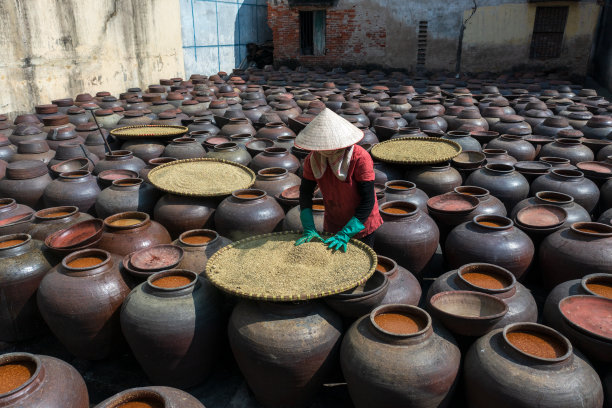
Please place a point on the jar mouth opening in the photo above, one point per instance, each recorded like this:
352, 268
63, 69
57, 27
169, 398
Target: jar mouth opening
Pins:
5, 202
468, 305
410, 321
161, 160
385, 265
127, 220
249, 194
497, 222
500, 167
273, 171
126, 182
567, 173
528, 346
30, 366
594, 229
275, 150
226, 146
86, 259
119, 153
398, 208
239, 136
198, 237
400, 185
495, 151
487, 277
554, 197
172, 280
473, 191
56, 213
143, 396
74, 174
183, 140
14, 240
568, 141
601, 279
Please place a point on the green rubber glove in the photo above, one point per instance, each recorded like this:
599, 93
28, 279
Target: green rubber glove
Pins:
310, 231
339, 241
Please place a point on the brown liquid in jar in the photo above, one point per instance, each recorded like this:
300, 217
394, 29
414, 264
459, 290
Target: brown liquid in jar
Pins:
491, 224
600, 289
85, 262
382, 268
141, 403
197, 239
56, 214
125, 222
398, 187
11, 242
318, 207
172, 281
535, 344
395, 210
14, 375
483, 280
248, 196
397, 323
590, 230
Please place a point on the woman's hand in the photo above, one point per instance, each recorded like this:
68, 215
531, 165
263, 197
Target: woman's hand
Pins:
339, 241
310, 231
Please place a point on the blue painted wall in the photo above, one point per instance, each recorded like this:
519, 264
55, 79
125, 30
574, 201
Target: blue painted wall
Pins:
215, 33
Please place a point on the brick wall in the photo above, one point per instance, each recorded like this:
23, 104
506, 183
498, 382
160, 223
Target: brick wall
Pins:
352, 34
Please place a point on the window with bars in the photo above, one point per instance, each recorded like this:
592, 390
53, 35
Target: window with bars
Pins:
548, 30
312, 32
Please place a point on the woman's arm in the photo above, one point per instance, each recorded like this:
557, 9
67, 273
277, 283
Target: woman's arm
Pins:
307, 189
368, 194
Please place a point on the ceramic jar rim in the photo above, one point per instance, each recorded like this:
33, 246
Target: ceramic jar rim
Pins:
183, 140
134, 394
76, 175
567, 173
22, 357
487, 269
553, 159
70, 209
451, 293
128, 214
500, 168
105, 255
475, 191
172, 272
132, 182
386, 261
118, 155
494, 151
404, 183
415, 311
20, 236
254, 191
595, 278
273, 172
410, 207
7, 202
507, 222
276, 151
538, 329
156, 161
206, 232
568, 141
606, 230
542, 195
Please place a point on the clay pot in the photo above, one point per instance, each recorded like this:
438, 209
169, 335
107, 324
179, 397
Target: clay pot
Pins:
247, 213
408, 235
50, 220
127, 232
120, 159
25, 181
275, 157
151, 164
570, 182
145, 150
154, 396
284, 350
203, 125
7, 150
133, 117
598, 127
552, 126
499, 156
198, 246
292, 220
273, 130
14, 218
404, 288
515, 146
490, 239
24, 264
463, 139
33, 150
57, 137
574, 252
493, 280
575, 212
372, 357
179, 214
185, 350
184, 148
360, 300
275, 180
80, 300
236, 126
435, 179
488, 203
564, 381
508, 122
558, 162
570, 149
129, 194
47, 385
400, 190
503, 182
26, 132
76, 188
230, 151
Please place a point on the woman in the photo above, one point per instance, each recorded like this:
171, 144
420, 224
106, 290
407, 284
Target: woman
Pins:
344, 173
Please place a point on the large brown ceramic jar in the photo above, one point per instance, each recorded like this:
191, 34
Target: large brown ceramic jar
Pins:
60, 136
80, 300
499, 156
144, 149
179, 214
490, 239
575, 212
598, 127
397, 357
275, 180
33, 150
571, 253
67, 151
203, 125
292, 220
515, 146
76, 188
403, 288
502, 181
184, 148
25, 181
230, 151
463, 139
198, 246
44, 383
435, 179
247, 213
488, 203
23, 264
164, 397
127, 232
469, 117
493, 280
284, 350
408, 235
275, 157
120, 159
570, 182
134, 117
129, 194
180, 354
273, 130
501, 370
25, 132
401, 190
551, 126
151, 164
236, 126
571, 149
508, 122
50, 220
14, 217
7, 150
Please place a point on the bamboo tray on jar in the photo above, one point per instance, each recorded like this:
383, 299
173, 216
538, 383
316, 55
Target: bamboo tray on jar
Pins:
270, 267
149, 131
416, 150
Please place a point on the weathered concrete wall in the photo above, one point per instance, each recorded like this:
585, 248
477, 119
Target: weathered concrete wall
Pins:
57, 48
602, 59
384, 32
216, 32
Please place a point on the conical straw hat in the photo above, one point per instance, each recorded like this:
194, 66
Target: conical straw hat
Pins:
328, 131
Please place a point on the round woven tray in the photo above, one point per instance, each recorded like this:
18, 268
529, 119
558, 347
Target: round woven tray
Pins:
218, 262
189, 177
415, 150
149, 131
